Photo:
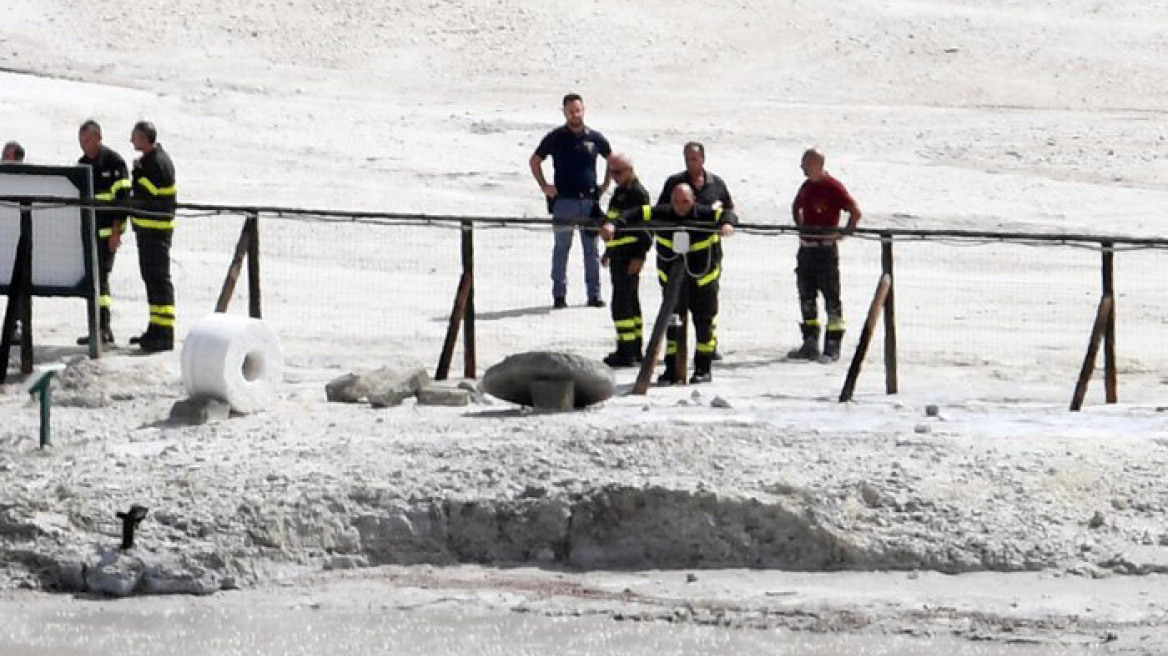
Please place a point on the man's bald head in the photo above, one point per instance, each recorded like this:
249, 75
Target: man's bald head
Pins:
682, 199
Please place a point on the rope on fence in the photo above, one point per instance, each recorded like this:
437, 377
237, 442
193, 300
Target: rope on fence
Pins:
454, 221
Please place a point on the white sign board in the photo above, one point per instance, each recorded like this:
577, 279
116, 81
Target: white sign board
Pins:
62, 235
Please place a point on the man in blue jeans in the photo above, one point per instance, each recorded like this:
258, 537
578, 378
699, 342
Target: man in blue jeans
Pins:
575, 195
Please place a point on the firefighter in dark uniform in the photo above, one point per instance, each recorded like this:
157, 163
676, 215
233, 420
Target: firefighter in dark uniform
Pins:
624, 255
709, 189
153, 198
702, 269
111, 184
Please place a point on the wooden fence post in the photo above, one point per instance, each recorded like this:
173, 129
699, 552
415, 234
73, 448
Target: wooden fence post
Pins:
1110, 378
242, 247
469, 348
254, 295
866, 336
891, 377
1102, 318
664, 315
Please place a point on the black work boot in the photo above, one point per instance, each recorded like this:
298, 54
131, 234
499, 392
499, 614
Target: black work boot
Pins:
638, 351
702, 365
107, 335
831, 346
149, 334
161, 339
623, 356
670, 375
810, 348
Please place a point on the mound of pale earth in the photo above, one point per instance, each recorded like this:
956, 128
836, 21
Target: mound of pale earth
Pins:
342, 486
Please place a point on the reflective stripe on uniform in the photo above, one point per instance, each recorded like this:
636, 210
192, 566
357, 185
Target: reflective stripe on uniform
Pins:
153, 223
707, 347
710, 277
662, 275
626, 337
647, 212
162, 315
613, 243
108, 195
625, 323
105, 232
671, 348
105, 301
705, 243
835, 324
156, 191
119, 185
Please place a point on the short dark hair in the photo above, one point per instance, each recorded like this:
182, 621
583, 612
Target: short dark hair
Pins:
90, 125
694, 145
17, 150
146, 129
572, 97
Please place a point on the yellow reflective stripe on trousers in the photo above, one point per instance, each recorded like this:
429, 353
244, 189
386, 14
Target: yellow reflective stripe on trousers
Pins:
835, 324
162, 315
153, 223
105, 232
671, 348
105, 301
156, 191
625, 323
705, 243
626, 337
813, 323
621, 241
710, 277
707, 347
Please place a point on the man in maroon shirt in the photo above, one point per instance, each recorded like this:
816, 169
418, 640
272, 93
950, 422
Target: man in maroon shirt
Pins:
816, 211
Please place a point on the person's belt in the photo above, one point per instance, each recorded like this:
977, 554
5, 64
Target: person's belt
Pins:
804, 243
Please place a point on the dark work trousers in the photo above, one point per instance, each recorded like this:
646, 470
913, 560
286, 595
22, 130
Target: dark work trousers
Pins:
154, 263
702, 303
626, 302
105, 265
817, 272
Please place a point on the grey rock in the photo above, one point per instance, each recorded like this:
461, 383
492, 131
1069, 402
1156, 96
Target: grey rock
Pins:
719, 402
443, 396
932, 410
349, 388
512, 379
199, 410
389, 386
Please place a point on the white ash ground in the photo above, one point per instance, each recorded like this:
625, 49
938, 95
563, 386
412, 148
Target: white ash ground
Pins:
675, 483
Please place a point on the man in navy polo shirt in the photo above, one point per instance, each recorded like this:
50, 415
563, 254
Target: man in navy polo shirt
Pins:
574, 196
